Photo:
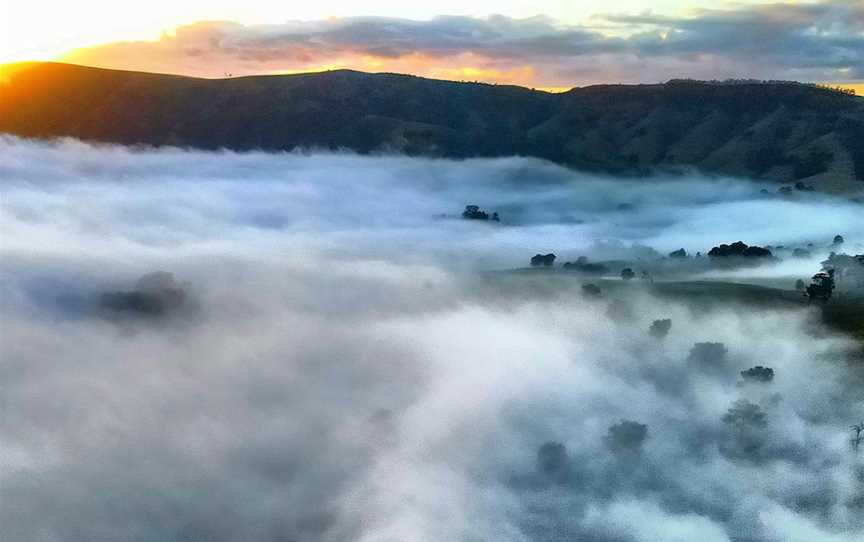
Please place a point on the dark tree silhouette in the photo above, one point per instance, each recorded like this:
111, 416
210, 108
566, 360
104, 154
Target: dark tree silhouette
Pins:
821, 288
626, 436
745, 414
473, 212
858, 429
758, 374
660, 328
545, 260
800, 285
591, 290
680, 253
708, 356
155, 294
552, 459
582, 265
739, 249
838, 240
627, 274
746, 437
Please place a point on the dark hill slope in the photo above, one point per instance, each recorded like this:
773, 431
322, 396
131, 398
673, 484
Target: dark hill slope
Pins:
784, 132
334, 109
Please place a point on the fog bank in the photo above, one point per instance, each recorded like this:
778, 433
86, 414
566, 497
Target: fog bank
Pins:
338, 366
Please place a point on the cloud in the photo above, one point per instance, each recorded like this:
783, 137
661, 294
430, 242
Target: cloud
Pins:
350, 370
815, 42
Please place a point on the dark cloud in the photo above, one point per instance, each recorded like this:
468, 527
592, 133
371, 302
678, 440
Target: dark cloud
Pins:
820, 41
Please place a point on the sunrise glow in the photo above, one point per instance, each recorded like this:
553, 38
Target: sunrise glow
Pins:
214, 38
414, 271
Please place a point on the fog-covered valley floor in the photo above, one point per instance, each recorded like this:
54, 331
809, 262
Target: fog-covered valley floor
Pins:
336, 355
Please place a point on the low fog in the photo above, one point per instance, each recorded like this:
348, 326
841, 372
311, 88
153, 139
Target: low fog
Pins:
317, 347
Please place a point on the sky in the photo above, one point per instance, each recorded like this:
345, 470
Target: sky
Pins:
545, 43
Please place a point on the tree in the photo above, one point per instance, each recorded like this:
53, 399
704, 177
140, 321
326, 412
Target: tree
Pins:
858, 429
627, 274
708, 356
582, 265
680, 253
155, 294
591, 290
744, 414
821, 287
758, 374
848, 270
626, 436
800, 285
552, 459
746, 423
838, 240
473, 212
545, 260
660, 328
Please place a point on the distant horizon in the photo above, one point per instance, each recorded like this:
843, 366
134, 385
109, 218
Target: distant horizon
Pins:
857, 88
546, 44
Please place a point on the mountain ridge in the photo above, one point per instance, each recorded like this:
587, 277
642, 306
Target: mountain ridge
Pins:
782, 131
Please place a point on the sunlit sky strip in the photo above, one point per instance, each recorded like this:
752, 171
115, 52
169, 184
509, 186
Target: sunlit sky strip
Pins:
93, 32
44, 29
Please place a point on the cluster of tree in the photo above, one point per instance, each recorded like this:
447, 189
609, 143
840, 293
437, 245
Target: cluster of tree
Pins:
797, 187
625, 437
758, 374
155, 294
739, 249
473, 212
815, 161
678, 254
710, 357
582, 265
836, 88
544, 260
749, 81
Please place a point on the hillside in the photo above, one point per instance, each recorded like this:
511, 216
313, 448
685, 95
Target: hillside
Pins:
785, 132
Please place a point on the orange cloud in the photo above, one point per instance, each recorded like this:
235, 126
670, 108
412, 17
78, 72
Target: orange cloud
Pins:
534, 52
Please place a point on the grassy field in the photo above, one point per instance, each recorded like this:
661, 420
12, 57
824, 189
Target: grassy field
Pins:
845, 315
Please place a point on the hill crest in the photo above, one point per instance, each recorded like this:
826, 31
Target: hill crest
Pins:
782, 131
